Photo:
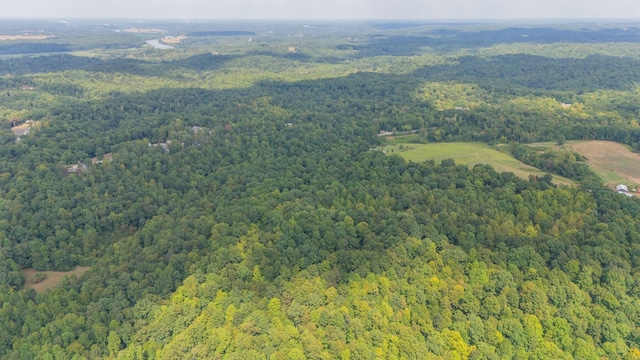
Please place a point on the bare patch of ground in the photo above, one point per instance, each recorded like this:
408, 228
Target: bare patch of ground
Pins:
53, 277
24, 37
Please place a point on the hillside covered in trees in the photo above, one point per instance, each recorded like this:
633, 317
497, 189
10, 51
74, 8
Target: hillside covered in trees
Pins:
229, 201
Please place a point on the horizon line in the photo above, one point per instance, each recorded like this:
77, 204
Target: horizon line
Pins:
425, 20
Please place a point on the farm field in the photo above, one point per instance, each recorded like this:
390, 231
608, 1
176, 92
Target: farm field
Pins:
613, 162
53, 277
467, 154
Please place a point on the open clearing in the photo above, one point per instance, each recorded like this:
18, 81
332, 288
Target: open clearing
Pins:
468, 154
53, 278
612, 161
24, 37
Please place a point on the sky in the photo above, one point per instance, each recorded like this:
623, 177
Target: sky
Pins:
323, 9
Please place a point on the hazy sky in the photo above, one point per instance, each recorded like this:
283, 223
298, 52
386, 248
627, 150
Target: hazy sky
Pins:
323, 9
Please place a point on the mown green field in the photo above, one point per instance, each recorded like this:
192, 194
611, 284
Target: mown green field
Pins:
464, 153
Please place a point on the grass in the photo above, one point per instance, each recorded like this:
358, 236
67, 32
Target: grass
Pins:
401, 139
463, 153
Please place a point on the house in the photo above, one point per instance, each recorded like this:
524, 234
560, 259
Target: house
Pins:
21, 130
164, 146
108, 157
622, 188
76, 168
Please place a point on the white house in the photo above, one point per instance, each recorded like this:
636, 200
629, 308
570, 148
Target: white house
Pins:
622, 188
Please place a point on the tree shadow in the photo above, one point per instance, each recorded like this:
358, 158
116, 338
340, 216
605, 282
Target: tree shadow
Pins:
65, 62
448, 40
596, 72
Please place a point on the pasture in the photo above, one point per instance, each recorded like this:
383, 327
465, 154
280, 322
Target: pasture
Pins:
469, 154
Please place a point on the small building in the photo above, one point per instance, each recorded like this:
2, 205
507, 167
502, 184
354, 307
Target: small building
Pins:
21, 130
76, 168
106, 157
622, 188
164, 146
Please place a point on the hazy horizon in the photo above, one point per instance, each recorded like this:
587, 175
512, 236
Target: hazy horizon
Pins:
407, 10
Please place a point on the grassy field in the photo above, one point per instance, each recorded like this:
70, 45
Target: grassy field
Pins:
465, 154
613, 162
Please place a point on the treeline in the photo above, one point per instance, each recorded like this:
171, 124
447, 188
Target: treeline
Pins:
28, 48
564, 163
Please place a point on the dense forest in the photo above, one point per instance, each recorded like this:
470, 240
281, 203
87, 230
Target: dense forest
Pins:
230, 203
